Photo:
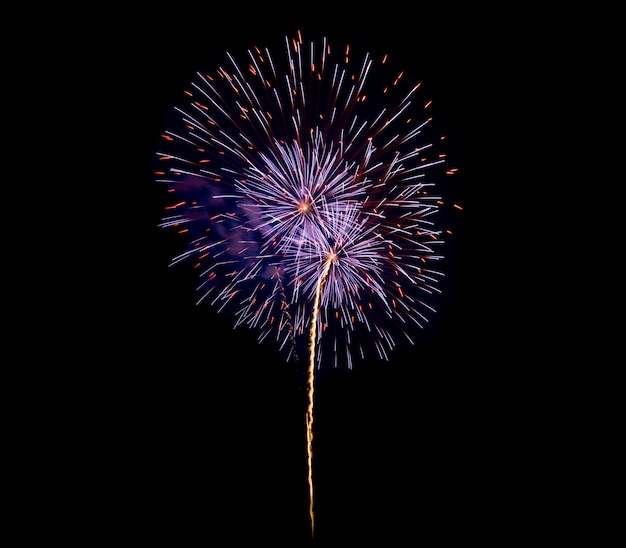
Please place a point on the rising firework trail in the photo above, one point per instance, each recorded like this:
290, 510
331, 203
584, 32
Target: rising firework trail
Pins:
311, 375
310, 202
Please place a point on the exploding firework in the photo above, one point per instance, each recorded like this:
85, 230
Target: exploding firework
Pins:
308, 191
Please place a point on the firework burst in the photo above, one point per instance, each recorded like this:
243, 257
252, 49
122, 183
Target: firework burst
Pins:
308, 192
271, 167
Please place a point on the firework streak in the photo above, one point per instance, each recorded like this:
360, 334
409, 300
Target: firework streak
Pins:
308, 202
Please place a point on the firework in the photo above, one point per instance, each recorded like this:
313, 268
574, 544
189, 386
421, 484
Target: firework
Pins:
309, 201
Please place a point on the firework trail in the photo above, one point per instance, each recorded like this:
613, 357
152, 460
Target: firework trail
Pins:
308, 202
311, 371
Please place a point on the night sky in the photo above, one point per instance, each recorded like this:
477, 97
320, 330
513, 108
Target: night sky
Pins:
193, 434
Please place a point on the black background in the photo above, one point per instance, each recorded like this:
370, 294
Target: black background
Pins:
166, 425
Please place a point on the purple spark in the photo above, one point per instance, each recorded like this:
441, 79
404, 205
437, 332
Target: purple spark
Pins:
277, 167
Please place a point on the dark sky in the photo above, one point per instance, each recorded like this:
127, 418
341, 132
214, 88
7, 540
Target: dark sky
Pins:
199, 430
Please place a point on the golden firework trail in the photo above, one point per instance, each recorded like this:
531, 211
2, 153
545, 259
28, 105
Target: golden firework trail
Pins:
310, 381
